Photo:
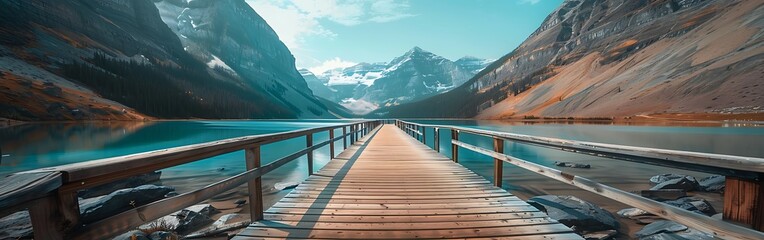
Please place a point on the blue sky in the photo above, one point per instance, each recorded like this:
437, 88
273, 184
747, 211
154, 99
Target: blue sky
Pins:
324, 34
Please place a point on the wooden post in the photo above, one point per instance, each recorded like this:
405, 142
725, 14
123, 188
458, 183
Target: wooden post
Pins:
744, 201
55, 215
352, 134
436, 137
454, 147
424, 136
344, 138
331, 143
255, 187
309, 143
498, 164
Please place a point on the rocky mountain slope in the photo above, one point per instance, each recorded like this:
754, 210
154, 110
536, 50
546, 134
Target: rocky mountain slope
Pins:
110, 59
596, 58
415, 75
231, 34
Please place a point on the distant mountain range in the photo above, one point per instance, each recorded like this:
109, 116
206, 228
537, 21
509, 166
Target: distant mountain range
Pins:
114, 59
413, 76
620, 58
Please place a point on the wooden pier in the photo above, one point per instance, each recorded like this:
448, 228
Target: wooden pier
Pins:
387, 186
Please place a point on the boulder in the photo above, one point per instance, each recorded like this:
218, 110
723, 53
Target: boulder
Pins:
660, 227
572, 165
121, 200
578, 214
190, 221
16, 226
714, 183
693, 204
686, 183
658, 179
669, 230
600, 235
240, 202
132, 235
204, 209
184, 221
130, 182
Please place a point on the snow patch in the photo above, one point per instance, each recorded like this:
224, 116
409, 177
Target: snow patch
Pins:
358, 106
216, 62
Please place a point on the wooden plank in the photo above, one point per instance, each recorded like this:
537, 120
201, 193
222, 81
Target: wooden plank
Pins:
410, 234
405, 225
400, 219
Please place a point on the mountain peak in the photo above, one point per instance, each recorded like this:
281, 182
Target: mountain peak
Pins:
416, 49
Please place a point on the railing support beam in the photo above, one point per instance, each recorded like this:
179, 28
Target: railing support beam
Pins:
331, 144
309, 143
436, 136
454, 147
255, 187
498, 164
344, 138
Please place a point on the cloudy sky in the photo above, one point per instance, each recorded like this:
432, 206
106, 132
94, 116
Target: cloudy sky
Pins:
325, 34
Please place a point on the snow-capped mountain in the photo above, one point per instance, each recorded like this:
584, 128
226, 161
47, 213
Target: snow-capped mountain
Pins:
412, 76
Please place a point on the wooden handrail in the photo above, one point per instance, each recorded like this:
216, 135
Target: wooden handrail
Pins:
728, 165
748, 211
59, 198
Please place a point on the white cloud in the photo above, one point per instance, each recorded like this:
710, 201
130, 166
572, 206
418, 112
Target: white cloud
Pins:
296, 20
331, 64
529, 1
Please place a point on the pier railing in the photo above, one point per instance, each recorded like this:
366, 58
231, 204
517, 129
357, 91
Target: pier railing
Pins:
744, 189
50, 194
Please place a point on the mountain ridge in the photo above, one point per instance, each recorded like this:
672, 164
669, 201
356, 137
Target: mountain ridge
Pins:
595, 58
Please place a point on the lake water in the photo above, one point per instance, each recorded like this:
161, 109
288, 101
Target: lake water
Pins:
31, 146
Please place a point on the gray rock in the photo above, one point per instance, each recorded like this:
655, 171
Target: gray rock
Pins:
689, 234
600, 235
693, 204
189, 221
204, 209
230, 218
713, 183
240, 202
631, 212
285, 185
669, 230
578, 214
572, 165
130, 182
132, 235
660, 227
686, 183
121, 200
658, 179
15, 226
160, 235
